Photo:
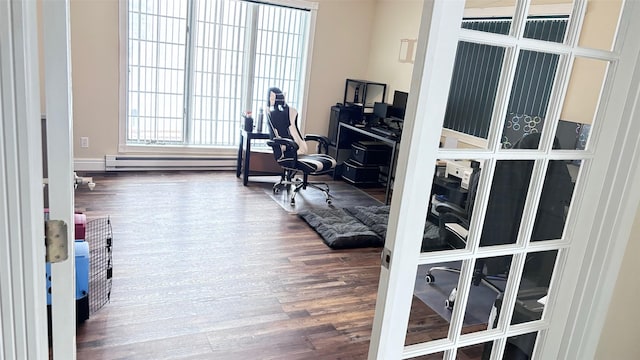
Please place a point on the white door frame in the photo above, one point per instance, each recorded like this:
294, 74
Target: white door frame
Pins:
57, 58
23, 316
604, 221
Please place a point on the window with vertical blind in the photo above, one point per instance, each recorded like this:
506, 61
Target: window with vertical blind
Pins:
194, 66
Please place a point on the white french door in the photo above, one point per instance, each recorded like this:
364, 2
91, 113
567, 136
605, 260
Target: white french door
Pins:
561, 98
58, 102
23, 300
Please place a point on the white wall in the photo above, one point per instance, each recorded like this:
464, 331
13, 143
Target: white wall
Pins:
394, 20
619, 339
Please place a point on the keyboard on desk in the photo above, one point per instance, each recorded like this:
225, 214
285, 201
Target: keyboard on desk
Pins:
391, 133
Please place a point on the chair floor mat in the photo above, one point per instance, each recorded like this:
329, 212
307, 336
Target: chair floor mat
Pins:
343, 195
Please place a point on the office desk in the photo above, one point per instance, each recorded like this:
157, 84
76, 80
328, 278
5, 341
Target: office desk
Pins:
348, 134
244, 156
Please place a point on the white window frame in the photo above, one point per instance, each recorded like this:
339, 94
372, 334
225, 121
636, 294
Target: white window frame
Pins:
123, 147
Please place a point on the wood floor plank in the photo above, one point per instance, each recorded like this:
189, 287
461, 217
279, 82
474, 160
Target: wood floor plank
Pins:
205, 268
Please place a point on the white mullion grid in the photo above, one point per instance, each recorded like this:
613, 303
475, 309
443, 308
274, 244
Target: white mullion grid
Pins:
240, 28
156, 103
213, 67
162, 105
229, 59
204, 44
289, 56
576, 21
217, 69
279, 32
302, 23
188, 75
534, 192
239, 55
503, 96
462, 296
519, 19
523, 246
262, 85
217, 17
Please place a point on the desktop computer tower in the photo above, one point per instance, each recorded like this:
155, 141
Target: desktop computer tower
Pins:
341, 113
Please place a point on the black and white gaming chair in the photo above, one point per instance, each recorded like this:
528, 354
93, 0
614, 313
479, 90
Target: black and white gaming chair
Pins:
290, 149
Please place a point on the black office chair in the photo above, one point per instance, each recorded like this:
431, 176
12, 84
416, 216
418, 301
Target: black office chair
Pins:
501, 225
290, 149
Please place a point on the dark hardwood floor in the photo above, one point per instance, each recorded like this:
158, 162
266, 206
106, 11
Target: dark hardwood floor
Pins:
205, 268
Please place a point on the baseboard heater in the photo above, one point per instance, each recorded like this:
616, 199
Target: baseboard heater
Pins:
158, 162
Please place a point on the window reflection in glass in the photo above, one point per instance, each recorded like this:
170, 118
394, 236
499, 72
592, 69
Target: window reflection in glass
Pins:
600, 24
530, 94
488, 283
534, 286
580, 103
506, 202
453, 196
555, 199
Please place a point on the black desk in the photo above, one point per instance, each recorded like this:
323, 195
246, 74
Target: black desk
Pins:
244, 161
348, 134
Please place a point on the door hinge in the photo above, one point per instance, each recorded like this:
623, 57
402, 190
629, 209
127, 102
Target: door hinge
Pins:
386, 257
56, 242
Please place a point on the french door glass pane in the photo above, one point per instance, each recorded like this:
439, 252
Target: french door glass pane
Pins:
506, 202
548, 20
530, 94
429, 318
475, 352
580, 103
453, 196
494, 17
488, 283
534, 286
472, 95
520, 347
555, 199
600, 24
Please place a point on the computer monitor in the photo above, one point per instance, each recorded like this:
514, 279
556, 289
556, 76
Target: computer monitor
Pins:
399, 105
380, 110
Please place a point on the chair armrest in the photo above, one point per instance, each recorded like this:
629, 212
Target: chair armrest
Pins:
323, 142
290, 144
446, 208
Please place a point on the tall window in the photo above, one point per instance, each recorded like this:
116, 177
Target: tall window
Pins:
195, 65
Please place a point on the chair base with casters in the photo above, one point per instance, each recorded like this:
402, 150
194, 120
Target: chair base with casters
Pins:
479, 277
288, 181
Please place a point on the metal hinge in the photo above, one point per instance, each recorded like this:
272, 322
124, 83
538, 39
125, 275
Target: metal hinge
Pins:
56, 242
386, 257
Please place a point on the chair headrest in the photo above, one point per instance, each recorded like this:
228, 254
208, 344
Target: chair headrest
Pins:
275, 99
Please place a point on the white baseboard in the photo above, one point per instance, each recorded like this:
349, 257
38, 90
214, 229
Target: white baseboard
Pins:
89, 164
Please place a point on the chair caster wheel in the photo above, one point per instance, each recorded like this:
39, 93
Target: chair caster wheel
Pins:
430, 279
452, 299
292, 202
449, 304
328, 201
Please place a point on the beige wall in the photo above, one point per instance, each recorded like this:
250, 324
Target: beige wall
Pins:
341, 50
95, 76
394, 20
619, 339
